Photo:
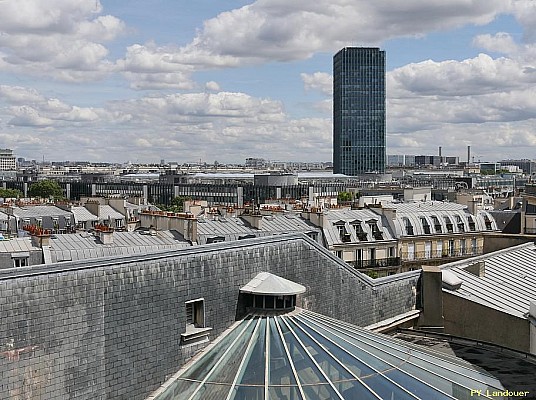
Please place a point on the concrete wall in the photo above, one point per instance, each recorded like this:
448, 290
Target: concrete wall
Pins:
498, 241
110, 328
475, 321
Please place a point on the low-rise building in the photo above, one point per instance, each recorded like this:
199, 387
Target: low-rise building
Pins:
360, 237
433, 232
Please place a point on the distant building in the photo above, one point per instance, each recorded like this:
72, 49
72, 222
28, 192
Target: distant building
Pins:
256, 163
7, 160
433, 232
359, 111
528, 166
362, 238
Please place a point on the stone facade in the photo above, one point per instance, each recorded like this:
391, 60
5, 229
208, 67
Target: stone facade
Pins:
111, 328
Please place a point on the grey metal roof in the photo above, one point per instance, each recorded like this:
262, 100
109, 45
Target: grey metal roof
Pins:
282, 223
416, 213
85, 245
266, 283
349, 218
14, 245
82, 214
39, 211
509, 282
3, 216
230, 228
108, 212
234, 228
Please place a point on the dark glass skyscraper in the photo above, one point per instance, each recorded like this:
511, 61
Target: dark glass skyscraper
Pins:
359, 111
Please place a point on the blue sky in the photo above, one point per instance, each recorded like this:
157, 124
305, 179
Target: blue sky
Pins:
115, 80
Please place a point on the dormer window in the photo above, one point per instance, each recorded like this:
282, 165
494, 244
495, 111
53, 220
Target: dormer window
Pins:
487, 221
448, 223
408, 226
437, 224
376, 232
343, 234
425, 225
359, 232
460, 224
471, 222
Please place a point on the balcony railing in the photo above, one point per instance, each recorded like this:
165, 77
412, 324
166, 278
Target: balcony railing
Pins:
446, 253
378, 262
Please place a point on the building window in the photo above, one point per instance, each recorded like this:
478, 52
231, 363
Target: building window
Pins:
487, 221
460, 224
312, 235
474, 248
372, 255
471, 222
20, 262
378, 235
408, 226
437, 224
439, 252
195, 314
196, 331
463, 247
343, 234
425, 225
360, 233
216, 239
411, 251
448, 223
427, 250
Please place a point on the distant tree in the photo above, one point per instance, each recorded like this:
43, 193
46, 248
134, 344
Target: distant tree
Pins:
10, 193
46, 189
177, 204
344, 196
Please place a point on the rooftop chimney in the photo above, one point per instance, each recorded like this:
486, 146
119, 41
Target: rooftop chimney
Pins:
468, 155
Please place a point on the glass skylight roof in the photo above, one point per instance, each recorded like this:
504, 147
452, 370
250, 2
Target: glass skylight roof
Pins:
303, 355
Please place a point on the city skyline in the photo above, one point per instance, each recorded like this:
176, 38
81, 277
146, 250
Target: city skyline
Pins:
118, 81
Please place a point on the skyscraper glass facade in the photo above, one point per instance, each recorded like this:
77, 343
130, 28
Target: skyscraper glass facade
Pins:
359, 111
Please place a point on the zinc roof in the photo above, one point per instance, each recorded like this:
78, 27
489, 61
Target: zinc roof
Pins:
15, 245
39, 211
350, 218
85, 245
509, 281
107, 212
82, 214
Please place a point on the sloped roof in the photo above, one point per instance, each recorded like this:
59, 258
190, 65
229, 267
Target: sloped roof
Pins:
84, 245
82, 214
509, 281
270, 284
14, 245
348, 218
108, 212
39, 211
